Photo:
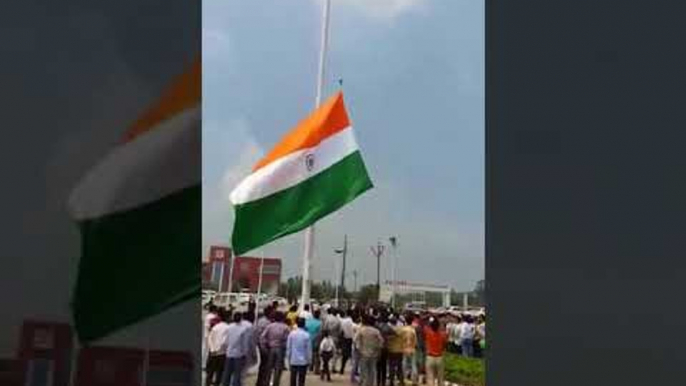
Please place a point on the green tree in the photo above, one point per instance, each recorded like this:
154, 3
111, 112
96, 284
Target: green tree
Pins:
368, 294
480, 293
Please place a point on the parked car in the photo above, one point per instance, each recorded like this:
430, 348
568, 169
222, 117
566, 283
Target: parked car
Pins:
415, 307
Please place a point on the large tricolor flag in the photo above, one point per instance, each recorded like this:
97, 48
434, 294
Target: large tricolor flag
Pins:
139, 213
316, 169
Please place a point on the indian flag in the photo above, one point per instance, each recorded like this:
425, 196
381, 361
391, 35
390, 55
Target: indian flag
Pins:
138, 211
316, 169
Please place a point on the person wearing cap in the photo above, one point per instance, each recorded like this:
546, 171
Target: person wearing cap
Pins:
436, 339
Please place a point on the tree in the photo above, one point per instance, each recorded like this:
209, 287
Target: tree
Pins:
480, 292
368, 294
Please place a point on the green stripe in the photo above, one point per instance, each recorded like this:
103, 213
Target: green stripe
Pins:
291, 210
138, 263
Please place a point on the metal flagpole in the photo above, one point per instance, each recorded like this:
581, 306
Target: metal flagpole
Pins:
146, 359
394, 269
232, 262
335, 274
221, 278
74, 355
259, 288
309, 232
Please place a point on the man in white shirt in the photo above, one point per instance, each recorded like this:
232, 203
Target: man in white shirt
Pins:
332, 324
355, 372
453, 329
347, 326
216, 351
250, 339
467, 331
207, 323
305, 313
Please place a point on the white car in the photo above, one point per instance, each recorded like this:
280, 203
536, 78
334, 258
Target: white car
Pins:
226, 300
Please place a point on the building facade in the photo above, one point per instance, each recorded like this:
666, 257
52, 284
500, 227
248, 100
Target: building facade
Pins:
245, 273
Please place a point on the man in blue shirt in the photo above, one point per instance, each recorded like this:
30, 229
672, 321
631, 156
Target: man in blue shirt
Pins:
314, 327
236, 352
298, 353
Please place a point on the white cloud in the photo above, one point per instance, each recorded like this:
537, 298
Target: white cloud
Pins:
382, 10
223, 170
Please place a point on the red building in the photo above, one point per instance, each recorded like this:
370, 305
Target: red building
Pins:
45, 351
245, 273
120, 366
11, 372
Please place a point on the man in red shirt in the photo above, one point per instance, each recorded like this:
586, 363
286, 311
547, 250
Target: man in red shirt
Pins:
435, 339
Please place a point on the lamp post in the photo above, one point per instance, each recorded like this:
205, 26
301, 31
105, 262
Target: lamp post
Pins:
344, 252
377, 252
394, 242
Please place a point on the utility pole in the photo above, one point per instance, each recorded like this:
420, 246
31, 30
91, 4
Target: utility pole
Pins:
378, 251
344, 252
355, 277
394, 242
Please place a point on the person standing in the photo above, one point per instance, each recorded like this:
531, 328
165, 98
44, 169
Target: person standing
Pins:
454, 340
480, 337
298, 353
382, 364
306, 314
332, 325
292, 315
420, 352
326, 350
355, 371
273, 339
409, 338
467, 332
236, 352
436, 340
216, 358
210, 320
250, 341
262, 324
314, 328
346, 339
368, 343
396, 347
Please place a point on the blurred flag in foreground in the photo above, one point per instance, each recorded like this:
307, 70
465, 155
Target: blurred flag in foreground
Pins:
139, 213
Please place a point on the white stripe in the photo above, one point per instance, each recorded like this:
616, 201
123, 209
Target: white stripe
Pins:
291, 169
159, 162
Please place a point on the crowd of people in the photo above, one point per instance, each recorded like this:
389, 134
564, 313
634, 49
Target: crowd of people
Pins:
383, 347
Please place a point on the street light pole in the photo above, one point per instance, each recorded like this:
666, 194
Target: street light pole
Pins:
378, 251
394, 243
344, 252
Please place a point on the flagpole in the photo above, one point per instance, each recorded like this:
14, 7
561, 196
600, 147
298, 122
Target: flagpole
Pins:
146, 359
232, 260
259, 287
221, 278
309, 232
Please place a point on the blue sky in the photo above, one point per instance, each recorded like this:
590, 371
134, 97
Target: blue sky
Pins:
413, 80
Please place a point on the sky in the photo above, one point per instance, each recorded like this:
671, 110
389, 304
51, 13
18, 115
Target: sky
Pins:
413, 81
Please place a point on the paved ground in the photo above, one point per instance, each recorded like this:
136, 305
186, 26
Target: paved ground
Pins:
312, 380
